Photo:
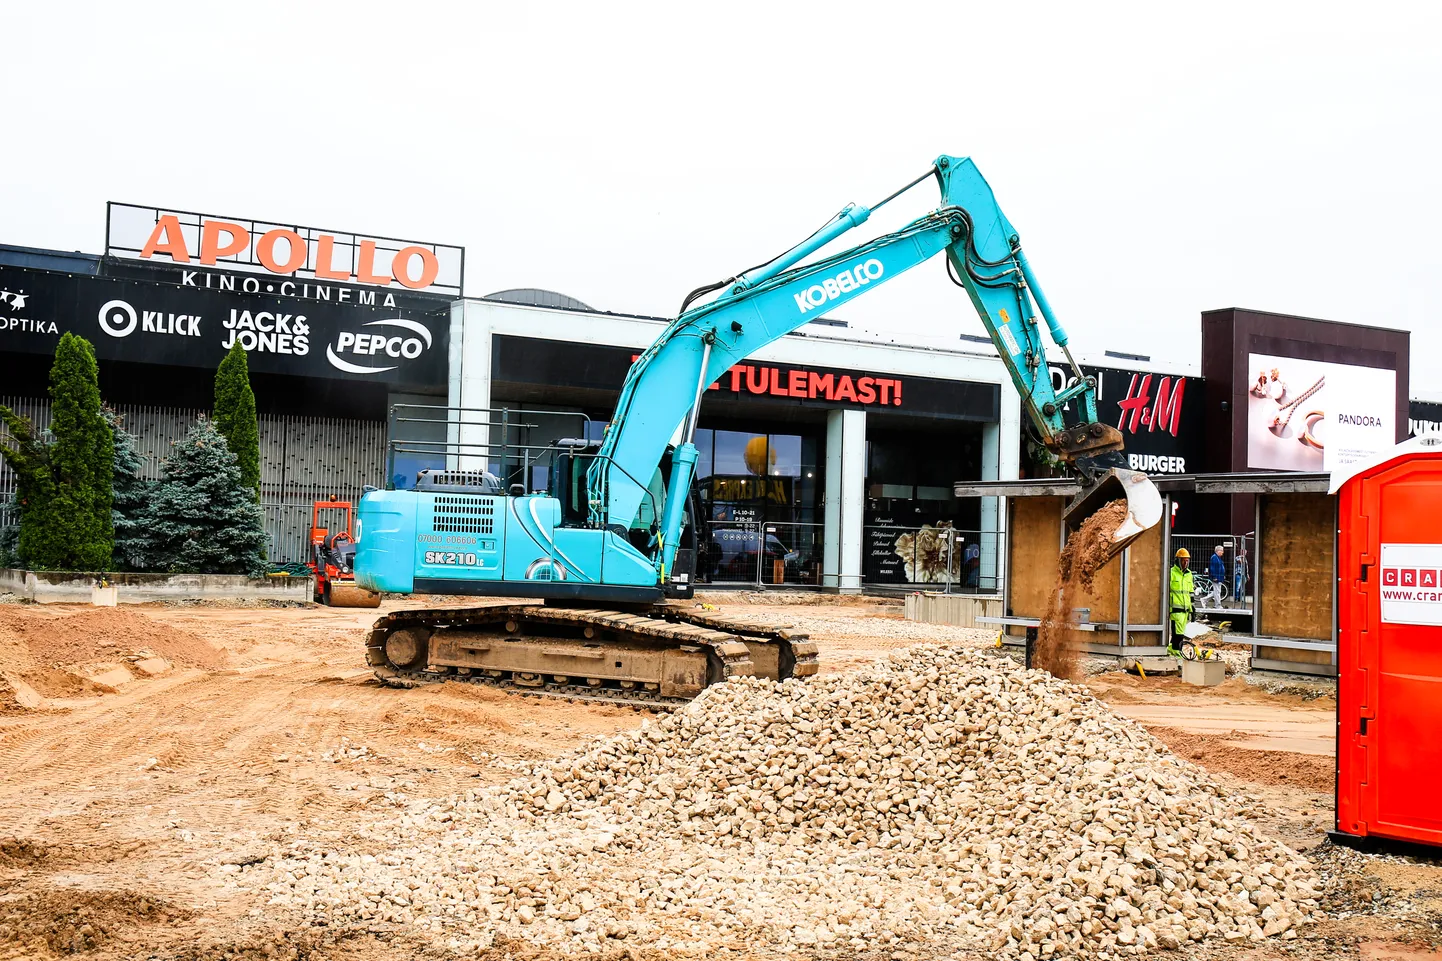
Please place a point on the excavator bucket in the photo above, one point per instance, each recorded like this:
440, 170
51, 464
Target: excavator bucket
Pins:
347, 594
1143, 502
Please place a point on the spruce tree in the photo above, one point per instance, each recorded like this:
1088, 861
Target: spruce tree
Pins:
203, 520
26, 450
235, 415
75, 531
130, 509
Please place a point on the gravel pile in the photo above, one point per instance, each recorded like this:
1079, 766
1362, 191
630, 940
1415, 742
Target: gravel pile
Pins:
944, 798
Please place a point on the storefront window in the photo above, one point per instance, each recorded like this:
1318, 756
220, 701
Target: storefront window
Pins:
915, 527
785, 455
704, 457
759, 499
740, 454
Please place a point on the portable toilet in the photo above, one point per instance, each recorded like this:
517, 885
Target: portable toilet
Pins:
1389, 645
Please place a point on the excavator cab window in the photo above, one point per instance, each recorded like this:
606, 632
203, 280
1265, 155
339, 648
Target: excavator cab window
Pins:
568, 485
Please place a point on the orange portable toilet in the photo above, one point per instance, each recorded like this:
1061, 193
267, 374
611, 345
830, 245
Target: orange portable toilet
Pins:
1389, 653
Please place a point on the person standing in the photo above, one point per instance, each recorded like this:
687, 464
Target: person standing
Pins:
1239, 580
1181, 597
1217, 570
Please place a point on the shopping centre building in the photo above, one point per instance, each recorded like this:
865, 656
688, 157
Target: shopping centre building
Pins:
827, 459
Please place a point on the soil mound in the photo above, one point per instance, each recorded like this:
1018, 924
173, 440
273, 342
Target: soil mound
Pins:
43, 652
1085, 553
100, 634
1313, 772
64, 922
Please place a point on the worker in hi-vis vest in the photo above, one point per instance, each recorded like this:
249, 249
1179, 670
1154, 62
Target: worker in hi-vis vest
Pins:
1181, 596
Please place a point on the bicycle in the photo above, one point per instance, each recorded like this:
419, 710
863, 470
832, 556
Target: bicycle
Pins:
1202, 587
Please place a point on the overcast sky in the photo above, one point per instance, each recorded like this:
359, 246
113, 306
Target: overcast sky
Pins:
1157, 159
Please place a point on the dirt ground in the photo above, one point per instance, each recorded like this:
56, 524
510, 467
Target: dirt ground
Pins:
147, 753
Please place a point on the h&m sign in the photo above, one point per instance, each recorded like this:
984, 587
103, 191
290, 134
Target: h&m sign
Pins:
1158, 414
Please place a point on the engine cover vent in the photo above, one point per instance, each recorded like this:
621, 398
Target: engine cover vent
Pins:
459, 481
460, 514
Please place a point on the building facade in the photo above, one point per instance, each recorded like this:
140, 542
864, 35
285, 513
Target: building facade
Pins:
333, 339
825, 460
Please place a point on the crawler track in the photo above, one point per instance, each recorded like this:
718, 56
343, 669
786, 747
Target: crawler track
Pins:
663, 655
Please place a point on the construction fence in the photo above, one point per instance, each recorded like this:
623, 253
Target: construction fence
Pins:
1234, 591
302, 460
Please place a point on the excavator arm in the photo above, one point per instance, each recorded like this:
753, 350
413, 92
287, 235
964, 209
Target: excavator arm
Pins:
660, 400
456, 533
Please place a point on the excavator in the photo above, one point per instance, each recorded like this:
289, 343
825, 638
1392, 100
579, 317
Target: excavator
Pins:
602, 548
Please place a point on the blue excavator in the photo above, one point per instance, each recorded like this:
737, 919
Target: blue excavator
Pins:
603, 547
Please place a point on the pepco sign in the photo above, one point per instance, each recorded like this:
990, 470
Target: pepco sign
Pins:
172, 238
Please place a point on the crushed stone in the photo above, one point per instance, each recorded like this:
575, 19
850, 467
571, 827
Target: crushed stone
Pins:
944, 798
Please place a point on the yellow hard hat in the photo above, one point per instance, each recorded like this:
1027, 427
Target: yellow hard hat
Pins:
1182, 552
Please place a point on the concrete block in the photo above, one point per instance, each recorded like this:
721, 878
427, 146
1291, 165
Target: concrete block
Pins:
1151, 665
80, 587
25, 695
115, 678
957, 610
151, 666
1204, 673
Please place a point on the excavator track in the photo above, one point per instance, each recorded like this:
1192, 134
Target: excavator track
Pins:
658, 657
793, 652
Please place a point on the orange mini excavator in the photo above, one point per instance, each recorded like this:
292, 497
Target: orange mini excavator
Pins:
332, 559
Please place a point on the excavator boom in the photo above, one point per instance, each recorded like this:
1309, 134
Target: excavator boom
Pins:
984, 257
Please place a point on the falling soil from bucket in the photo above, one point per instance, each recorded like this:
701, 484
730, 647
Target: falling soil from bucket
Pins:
1085, 553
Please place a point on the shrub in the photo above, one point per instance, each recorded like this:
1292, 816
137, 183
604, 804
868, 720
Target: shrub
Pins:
203, 519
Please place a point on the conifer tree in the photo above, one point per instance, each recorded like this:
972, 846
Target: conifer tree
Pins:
74, 529
26, 450
131, 506
203, 519
235, 415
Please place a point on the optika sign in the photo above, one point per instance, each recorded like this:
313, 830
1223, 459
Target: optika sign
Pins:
15, 300
858, 275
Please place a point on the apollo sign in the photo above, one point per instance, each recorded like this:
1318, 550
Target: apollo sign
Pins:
253, 256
